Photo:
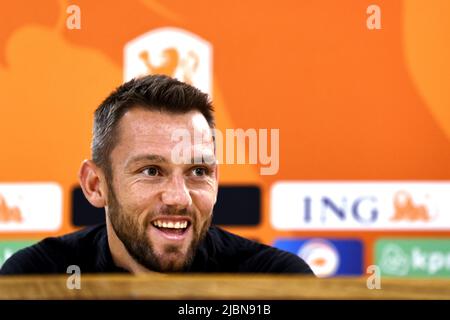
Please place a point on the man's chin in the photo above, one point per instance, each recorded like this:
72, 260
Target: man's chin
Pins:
173, 262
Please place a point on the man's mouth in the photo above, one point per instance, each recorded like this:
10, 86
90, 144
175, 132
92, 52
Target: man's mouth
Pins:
172, 228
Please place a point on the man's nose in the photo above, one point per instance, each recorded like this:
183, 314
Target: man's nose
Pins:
176, 194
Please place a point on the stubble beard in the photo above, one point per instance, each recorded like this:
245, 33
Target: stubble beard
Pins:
139, 245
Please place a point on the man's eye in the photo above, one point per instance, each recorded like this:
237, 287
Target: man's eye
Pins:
152, 171
199, 171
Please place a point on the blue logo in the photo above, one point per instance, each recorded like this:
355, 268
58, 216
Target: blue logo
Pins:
327, 257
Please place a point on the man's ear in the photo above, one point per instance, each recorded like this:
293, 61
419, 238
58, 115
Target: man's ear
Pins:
92, 183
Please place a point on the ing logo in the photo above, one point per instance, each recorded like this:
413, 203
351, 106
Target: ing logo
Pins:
173, 52
321, 256
406, 209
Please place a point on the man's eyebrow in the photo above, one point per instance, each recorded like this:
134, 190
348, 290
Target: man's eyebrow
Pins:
210, 160
147, 157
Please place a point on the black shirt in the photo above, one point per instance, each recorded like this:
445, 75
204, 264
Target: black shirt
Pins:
220, 251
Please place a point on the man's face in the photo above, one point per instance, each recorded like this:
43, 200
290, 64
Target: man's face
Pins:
160, 208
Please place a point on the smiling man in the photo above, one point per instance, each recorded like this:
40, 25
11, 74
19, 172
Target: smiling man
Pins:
158, 209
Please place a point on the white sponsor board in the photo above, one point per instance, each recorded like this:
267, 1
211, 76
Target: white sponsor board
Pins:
399, 205
30, 207
321, 256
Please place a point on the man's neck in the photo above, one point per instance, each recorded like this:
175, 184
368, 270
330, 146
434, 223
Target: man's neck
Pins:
120, 254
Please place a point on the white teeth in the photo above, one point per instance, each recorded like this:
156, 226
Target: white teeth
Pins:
170, 224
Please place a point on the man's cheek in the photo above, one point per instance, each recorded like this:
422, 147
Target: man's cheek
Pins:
204, 203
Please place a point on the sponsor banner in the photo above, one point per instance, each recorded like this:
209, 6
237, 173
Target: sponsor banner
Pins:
8, 248
360, 206
413, 257
173, 52
30, 207
327, 257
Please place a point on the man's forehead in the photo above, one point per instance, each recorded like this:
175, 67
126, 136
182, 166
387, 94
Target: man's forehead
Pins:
145, 132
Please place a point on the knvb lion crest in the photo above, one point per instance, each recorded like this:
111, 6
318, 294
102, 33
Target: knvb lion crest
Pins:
173, 52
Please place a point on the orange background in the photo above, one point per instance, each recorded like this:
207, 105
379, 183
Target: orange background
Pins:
350, 103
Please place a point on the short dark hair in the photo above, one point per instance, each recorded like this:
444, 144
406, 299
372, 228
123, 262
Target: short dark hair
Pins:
153, 92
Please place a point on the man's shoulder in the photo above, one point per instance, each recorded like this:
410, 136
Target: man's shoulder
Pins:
52, 254
82, 237
252, 256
